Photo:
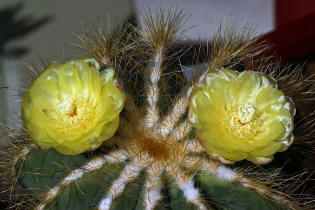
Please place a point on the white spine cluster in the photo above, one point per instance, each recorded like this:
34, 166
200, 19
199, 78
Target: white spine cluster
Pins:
152, 116
129, 173
94, 164
192, 194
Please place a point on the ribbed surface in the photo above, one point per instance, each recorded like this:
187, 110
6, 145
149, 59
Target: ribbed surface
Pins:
44, 170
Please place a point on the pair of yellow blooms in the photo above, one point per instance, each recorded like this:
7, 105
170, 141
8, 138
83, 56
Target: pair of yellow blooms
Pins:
73, 107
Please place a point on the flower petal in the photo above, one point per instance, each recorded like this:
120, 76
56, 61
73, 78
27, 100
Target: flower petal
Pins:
72, 108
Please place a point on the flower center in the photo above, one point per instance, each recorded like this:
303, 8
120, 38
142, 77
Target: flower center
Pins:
67, 107
246, 113
74, 113
242, 122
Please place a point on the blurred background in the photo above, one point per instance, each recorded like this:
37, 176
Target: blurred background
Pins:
33, 31
39, 30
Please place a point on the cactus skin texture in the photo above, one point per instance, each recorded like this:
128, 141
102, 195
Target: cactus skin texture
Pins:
44, 172
155, 161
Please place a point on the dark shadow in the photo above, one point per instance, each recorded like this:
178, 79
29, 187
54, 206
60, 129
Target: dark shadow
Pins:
13, 27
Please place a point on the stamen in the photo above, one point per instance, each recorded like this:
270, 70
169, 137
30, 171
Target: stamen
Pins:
246, 113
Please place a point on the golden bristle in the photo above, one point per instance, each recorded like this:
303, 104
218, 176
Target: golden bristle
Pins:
231, 46
284, 189
104, 46
161, 28
15, 149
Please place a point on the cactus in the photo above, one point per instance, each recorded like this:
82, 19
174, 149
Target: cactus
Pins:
156, 160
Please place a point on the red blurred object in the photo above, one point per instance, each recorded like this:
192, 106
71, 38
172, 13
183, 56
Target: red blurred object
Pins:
295, 32
288, 11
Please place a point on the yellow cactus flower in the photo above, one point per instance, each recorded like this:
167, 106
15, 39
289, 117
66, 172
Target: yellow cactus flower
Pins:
72, 107
241, 116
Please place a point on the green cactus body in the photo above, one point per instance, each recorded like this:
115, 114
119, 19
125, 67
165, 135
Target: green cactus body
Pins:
112, 181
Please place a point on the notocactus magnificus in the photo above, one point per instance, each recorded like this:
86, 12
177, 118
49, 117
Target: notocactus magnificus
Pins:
156, 159
241, 116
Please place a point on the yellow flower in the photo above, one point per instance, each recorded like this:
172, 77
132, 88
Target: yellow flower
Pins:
241, 116
72, 107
